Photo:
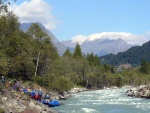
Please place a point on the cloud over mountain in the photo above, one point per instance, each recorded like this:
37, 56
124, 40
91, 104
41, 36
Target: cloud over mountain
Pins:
35, 11
128, 37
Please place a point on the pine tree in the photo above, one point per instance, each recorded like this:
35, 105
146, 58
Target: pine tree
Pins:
93, 59
77, 53
145, 67
67, 53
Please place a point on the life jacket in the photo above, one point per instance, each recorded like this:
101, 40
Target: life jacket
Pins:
36, 96
32, 93
18, 84
40, 93
47, 96
3, 80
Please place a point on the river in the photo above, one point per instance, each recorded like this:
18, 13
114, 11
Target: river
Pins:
104, 101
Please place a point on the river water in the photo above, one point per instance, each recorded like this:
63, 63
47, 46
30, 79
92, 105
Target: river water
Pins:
104, 101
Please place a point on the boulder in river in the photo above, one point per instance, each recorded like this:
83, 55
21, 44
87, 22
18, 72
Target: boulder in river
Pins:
140, 91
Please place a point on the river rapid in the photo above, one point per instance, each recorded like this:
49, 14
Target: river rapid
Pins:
104, 101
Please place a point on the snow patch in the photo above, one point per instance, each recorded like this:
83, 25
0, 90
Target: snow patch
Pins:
79, 39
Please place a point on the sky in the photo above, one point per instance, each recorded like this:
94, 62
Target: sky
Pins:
81, 19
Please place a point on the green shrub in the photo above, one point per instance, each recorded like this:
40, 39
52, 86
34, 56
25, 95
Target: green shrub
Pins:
1, 110
63, 84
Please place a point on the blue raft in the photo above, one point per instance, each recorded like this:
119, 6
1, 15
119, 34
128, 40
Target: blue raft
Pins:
44, 102
52, 103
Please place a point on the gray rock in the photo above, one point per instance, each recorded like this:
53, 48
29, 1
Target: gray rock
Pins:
4, 99
141, 91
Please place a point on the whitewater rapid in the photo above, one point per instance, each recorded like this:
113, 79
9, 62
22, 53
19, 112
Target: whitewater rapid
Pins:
104, 101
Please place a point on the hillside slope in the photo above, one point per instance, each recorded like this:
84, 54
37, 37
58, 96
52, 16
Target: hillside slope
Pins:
132, 56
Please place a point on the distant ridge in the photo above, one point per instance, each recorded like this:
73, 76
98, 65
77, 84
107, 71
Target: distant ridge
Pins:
100, 46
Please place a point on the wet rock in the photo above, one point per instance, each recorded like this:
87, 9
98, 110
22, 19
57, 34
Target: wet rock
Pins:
55, 97
146, 94
141, 91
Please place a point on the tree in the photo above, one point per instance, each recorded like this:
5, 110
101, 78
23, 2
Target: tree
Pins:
93, 59
62, 84
145, 67
67, 53
47, 57
39, 35
77, 52
9, 26
3, 64
119, 81
4, 5
14, 46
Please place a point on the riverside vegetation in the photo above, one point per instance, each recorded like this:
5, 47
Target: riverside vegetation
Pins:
30, 56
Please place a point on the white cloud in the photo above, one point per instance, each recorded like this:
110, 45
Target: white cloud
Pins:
79, 39
35, 11
128, 37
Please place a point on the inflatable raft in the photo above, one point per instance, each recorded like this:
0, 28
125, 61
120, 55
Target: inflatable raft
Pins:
52, 103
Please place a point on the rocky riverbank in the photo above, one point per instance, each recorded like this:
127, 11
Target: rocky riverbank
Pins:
16, 102
140, 91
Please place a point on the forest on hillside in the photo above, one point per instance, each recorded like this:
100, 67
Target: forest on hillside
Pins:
32, 56
133, 56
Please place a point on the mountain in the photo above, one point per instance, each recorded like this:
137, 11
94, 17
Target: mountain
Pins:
132, 56
99, 46
60, 47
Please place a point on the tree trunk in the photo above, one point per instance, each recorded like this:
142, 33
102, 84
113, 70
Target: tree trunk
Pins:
37, 63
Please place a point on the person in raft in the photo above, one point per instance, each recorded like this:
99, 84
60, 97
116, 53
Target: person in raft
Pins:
36, 96
40, 94
33, 93
47, 97
3, 80
18, 86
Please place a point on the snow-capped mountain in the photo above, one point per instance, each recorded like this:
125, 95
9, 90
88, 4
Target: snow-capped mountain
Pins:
60, 47
99, 45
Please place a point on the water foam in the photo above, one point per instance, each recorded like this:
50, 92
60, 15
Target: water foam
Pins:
106, 101
88, 110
